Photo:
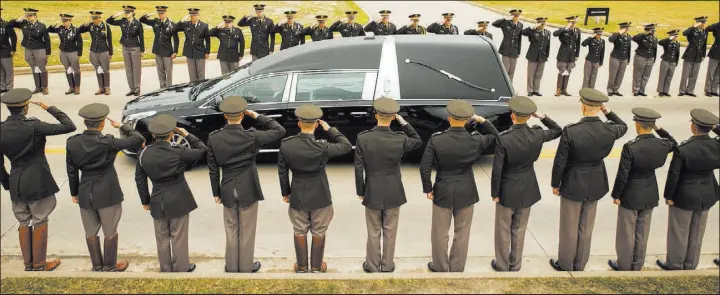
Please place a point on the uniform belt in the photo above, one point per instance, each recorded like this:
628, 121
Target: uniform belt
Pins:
588, 164
640, 175
304, 175
386, 172
455, 172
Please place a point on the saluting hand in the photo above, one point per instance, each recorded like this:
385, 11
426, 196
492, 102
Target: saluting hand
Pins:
221, 25
537, 115
556, 191
324, 125
181, 131
75, 199
478, 118
400, 119
430, 196
114, 123
286, 199
604, 109
40, 104
119, 13
187, 17
218, 200
251, 114
616, 201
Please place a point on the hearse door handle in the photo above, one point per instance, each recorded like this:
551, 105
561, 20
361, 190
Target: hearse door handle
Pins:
358, 114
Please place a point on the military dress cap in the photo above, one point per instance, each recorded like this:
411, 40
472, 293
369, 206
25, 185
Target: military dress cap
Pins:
351, 14
96, 13
228, 18
94, 112
321, 18
571, 18
161, 8
16, 97
233, 105
30, 11
162, 125
414, 16
448, 15
598, 30
259, 6
483, 23
645, 115
704, 118
128, 8
541, 20
194, 10
386, 106
650, 27
460, 109
522, 106
701, 19
673, 32
308, 113
625, 24
516, 11
65, 16
290, 13
592, 97
385, 12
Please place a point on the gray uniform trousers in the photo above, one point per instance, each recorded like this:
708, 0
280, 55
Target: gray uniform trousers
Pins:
171, 236
667, 70
642, 67
712, 80
7, 73
686, 229
240, 228
510, 226
631, 237
315, 221
35, 212
590, 74
381, 223
577, 220
509, 63
101, 62
689, 76
226, 66
441, 218
133, 68
108, 218
196, 68
71, 62
37, 59
164, 67
617, 72
534, 75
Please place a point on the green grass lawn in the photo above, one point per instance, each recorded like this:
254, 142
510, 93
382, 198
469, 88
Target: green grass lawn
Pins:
211, 12
669, 15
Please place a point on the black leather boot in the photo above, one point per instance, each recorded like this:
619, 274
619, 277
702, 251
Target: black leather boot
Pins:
96, 258
301, 254
110, 260
318, 250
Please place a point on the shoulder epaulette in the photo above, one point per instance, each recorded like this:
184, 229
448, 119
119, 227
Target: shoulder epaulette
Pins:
536, 127
573, 124
363, 132
633, 141
321, 140
683, 142
438, 133
216, 131
289, 137
30, 119
506, 131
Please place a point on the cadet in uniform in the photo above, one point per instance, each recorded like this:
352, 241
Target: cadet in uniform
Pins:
384, 27
670, 58
594, 59
31, 185
619, 58
133, 42
568, 53
454, 194
290, 31
165, 51
378, 181
309, 194
8, 46
232, 44
414, 28
445, 27
36, 42
712, 80
510, 46
233, 149
348, 27
514, 186
537, 55
579, 177
98, 191
71, 45
101, 50
636, 189
645, 55
197, 43
261, 29
480, 31
171, 201
319, 31
691, 190
693, 56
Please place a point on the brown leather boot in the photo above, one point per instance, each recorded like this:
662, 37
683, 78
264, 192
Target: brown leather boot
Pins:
107, 90
93, 244
39, 246
301, 253
77, 90
558, 92
25, 233
110, 261
318, 250
100, 91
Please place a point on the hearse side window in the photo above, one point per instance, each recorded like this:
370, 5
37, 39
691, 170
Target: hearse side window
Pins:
263, 90
330, 86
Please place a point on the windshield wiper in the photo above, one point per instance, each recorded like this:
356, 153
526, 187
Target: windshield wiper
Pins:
450, 76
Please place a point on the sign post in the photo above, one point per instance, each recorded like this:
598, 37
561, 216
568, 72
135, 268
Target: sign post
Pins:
597, 13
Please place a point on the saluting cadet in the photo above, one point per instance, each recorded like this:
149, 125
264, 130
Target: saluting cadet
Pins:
619, 58
691, 190
645, 55
670, 58
693, 56
101, 49
8, 46
309, 194
31, 185
348, 27
413, 28
233, 149
71, 45
712, 80
378, 181
537, 54
290, 31
510, 46
232, 44
36, 42
261, 29
452, 153
579, 177
384, 27
568, 53
165, 45
594, 59
98, 191
197, 43
133, 42
636, 189
172, 200
445, 27
319, 31
514, 186
480, 31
